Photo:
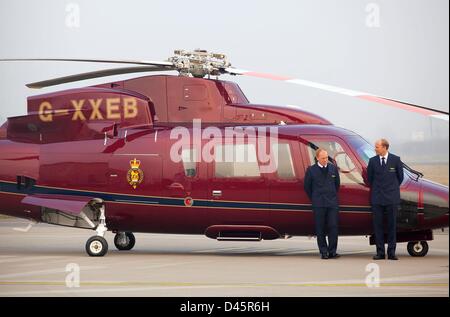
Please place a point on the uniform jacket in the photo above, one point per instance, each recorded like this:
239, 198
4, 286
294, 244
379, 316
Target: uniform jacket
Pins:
322, 188
385, 182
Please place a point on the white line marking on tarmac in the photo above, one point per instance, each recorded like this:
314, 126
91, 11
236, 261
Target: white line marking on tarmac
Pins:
162, 265
353, 284
48, 272
398, 279
49, 262
103, 290
23, 259
356, 252
292, 252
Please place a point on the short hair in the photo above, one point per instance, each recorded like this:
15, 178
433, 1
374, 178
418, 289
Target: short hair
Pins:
384, 143
319, 150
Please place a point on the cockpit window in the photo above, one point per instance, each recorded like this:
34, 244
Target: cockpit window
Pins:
365, 151
349, 173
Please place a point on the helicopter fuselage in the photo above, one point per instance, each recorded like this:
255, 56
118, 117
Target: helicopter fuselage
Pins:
103, 156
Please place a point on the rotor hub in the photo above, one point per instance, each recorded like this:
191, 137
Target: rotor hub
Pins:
199, 63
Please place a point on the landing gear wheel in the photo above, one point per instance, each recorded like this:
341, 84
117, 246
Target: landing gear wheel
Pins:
417, 248
96, 246
124, 241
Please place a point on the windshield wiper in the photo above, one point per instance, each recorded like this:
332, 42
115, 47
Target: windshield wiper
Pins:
409, 169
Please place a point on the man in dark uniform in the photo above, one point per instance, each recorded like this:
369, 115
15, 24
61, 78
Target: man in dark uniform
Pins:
385, 174
322, 184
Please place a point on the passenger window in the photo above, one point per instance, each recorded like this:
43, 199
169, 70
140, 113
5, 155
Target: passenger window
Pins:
348, 171
283, 160
236, 160
189, 158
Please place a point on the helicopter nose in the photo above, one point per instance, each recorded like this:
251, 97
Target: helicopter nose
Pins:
435, 201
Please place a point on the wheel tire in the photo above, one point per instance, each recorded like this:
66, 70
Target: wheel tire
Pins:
131, 241
418, 248
96, 246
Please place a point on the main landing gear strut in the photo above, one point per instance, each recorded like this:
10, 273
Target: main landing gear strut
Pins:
124, 241
98, 246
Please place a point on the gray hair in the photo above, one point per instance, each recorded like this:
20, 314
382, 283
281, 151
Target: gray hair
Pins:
384, 143
320, 150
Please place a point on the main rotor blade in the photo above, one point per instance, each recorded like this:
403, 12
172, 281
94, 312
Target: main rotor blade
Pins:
97, 74
435, 113
135, 62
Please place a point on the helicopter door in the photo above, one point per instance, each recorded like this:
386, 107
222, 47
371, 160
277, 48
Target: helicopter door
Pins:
237, 189
185, 179
185, 186
354, 194
288, 177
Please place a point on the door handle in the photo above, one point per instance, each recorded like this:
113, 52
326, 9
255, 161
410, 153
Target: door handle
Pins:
217, 193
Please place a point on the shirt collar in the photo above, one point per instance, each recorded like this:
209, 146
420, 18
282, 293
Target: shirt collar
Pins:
320, 165
385, 157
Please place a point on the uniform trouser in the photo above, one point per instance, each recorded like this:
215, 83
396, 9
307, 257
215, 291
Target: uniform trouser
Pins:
326, 223
378, 216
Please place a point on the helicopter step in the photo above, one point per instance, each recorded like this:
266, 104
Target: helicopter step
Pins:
241, 233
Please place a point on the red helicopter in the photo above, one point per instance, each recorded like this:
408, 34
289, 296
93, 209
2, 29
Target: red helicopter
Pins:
102, 158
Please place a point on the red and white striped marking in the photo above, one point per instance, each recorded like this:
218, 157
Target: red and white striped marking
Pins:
348, 92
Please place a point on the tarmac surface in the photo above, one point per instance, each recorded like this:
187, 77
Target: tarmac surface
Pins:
46, 260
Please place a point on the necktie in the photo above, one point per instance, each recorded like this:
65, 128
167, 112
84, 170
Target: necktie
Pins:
383, 162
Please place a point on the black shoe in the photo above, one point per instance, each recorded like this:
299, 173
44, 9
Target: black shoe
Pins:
324, 256
392, 257
379, 257
335, 256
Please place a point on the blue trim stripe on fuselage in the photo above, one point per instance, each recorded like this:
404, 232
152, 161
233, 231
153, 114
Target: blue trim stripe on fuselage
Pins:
166, 201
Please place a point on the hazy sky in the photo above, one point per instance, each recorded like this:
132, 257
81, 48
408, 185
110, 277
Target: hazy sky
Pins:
394, 48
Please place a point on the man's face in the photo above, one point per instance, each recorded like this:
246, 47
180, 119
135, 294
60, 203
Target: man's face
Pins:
322, 158
380, 149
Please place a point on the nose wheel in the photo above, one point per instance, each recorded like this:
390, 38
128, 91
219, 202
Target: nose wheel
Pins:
124, 241
417, 248
96, 246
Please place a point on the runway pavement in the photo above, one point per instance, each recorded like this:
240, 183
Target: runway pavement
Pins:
46, 260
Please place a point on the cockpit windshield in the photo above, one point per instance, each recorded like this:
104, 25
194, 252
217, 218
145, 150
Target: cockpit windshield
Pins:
365, 151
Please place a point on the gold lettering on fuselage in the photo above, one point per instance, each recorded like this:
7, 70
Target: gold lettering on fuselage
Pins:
111, 110
45, 113
129, 108
96, 114
77, 105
